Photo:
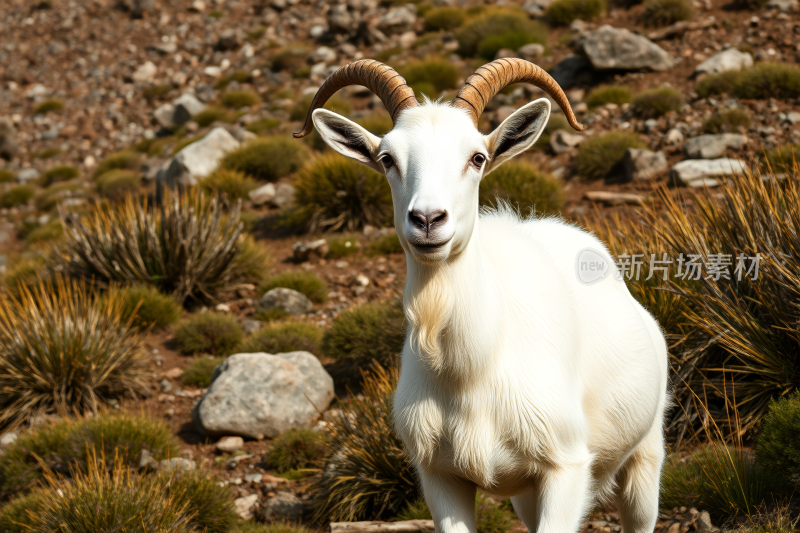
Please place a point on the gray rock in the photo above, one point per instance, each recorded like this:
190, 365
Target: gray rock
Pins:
703, 523
199, 159
8, 140
139, 7
674, 136
303, 251
323, 54
178, 463
643, 164
145, 72
289, 300
262, 195
186, 106
284, 195
703, 172
230, 39
283, 506
340, 20
398, 20
245, 506
262, 395
27, 174
251, 326
609, 48
146, 461
572, 71
783, 5
563, 141
163, 115
536, 8
166, 385
8, 439
530, 51
730, 59
230, 444
713, 146
792, 117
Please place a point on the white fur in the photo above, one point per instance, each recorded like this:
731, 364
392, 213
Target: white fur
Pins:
517, 378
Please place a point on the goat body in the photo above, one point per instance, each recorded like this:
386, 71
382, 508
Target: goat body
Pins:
520, 380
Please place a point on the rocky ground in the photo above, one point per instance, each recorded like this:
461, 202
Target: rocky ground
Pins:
139, 69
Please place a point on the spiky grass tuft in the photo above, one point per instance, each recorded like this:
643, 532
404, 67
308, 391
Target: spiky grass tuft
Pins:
297, 449
65, 351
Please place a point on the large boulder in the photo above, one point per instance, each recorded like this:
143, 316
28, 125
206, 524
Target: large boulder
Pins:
643, 164
730, 59
713, 146
288, 300
199, 159
260, 395
609, 48
704, 172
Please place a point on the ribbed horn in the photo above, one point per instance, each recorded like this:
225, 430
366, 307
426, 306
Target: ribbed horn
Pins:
381, 79
492, 77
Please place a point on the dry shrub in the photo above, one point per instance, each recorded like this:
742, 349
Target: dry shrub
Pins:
214, 333
563, 12
65, 351
600, 155
666, 12
730, 121
444, 18
266, 158
434, 73
125, 160
760, 82
150, 309
608, 94
19, 195
297, 448
657, 102
199, 371
233, 183
284, 338
240, 98
490, 32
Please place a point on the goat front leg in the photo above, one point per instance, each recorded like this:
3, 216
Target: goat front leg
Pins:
565, 494
451, 501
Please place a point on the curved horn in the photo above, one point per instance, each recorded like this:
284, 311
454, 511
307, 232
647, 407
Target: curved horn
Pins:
491, 78
381, 79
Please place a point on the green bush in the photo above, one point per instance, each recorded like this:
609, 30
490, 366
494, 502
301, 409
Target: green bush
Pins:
18, 195
378, 124
67, 445
149, 308
784, 158
186, 246
524, 186
666, 12
777, 449
214, 333
284, 338
48, 199
436, 71
307, 283
6, 176
116, 184
444, 18
599, 155
367, 333
251, 263
212, 114
49, 232
266, 158
730, 121
24, 272
517, 26
199, 372
261, 125
563, 12
727, 482
335, 103
233, 183
760, 82
296, 449
342, 247
370, 476
608, 94
289, 58
241, 98
66, 351
47, 106
657, 102
239, 76
119, 161
119, 500
154, 92
19, 515
47, 153
59, 173
388, 244
337, 193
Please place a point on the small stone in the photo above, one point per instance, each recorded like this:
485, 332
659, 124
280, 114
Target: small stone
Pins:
398, 20
531, 51
229, 39
185, 107
163, 115
146, 461
792, 117
304, 251
284, 195
8, 439
288, 300
27, 174
703, 523
198, 6
166, 385
253, 478
283, 506
251, 326
223, 308
562, 141
674, 136
262, 195
173, 373
730, 59
362, 280
145, 72
244, 506
178, 463
713, 146
230, 444
323, 54
505, 53
643, 164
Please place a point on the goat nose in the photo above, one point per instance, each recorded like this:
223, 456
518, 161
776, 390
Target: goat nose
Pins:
427, 221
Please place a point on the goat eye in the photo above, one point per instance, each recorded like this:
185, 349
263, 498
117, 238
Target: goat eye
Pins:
387, 161
478, 160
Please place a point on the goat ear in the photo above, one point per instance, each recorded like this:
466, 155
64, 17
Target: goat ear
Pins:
347, 137
518, 132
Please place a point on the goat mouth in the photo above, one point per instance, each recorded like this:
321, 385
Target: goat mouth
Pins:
429, 247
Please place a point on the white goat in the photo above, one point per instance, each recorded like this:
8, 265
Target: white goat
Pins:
517, 378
